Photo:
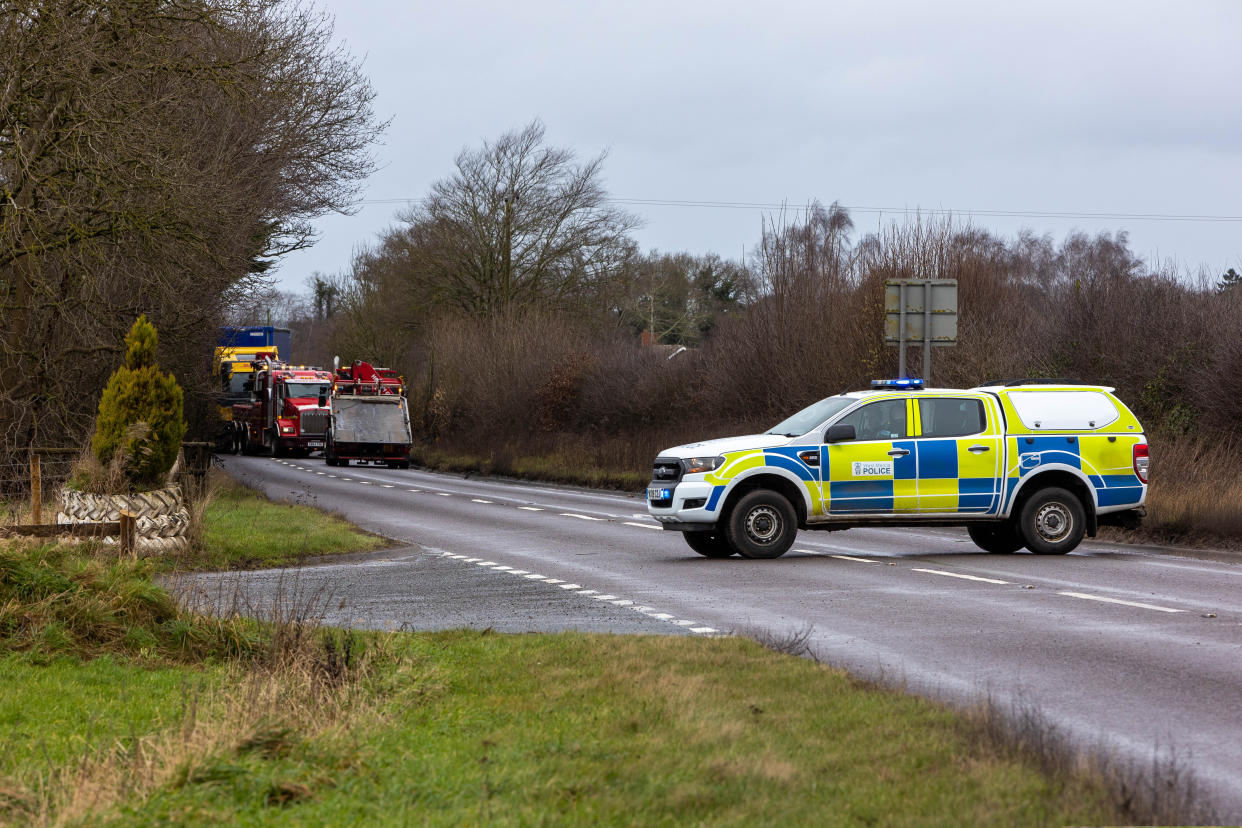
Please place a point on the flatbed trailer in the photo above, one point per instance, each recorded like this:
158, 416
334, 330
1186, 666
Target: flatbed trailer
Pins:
369, 418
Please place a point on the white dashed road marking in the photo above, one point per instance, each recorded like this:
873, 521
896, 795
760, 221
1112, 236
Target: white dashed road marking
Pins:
530, 508
852, 558
479, 500
963, 577
580, 517
644, 525
1101, 598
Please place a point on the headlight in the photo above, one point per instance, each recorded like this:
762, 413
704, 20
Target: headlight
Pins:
697, 465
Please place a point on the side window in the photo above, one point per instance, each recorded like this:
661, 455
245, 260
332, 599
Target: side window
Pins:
951, 418
884, 420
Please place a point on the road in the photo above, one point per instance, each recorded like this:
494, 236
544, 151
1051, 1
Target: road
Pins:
1123, 646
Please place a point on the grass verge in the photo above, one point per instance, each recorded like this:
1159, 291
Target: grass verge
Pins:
122, 707
243, 529
469, 727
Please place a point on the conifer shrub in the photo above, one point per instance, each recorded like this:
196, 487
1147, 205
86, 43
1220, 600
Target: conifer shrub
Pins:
140, 421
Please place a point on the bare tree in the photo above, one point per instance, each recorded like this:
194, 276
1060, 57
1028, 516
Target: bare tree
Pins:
519, 222
155, 157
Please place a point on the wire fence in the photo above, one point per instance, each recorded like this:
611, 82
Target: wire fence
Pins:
31, 481
30, 485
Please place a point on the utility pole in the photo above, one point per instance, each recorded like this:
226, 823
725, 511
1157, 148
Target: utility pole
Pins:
507, 278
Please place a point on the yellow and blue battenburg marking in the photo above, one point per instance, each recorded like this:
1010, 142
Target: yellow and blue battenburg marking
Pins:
931, 475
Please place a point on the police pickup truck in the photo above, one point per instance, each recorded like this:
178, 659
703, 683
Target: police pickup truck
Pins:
1019, 463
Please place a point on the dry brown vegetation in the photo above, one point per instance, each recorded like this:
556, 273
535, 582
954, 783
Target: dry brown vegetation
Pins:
567, 392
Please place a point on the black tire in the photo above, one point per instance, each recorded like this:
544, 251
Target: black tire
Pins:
997, 538
1052, 521
763, 524
708, 544
331, 461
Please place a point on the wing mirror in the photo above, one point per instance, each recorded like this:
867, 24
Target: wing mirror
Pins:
840, 434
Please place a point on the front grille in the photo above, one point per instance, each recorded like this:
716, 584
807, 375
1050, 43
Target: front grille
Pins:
313, 423
666, 471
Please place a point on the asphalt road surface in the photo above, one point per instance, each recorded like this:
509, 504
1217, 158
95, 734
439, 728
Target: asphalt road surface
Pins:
1124, 646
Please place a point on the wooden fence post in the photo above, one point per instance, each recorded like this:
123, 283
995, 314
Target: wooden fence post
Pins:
36, 488
128, 547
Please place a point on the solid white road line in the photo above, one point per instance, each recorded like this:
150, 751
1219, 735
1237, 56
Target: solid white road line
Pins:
1102, 599
643, 525
963, 577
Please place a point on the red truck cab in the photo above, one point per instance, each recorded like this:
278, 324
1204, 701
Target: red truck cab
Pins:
287, 414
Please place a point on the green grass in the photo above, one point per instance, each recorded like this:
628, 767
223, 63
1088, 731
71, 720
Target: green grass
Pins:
61, 599
119, 706
53, 713
245, 530
585, 729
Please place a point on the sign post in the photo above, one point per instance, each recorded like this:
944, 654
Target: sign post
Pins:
923, 311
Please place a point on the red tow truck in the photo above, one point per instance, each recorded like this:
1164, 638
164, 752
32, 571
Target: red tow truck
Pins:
287, 414
370, 418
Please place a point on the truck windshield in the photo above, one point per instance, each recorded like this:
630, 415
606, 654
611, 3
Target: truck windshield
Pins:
305, 389
234, 382
811, 416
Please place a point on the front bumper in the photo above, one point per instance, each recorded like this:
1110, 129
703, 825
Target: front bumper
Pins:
685, 509
299, 441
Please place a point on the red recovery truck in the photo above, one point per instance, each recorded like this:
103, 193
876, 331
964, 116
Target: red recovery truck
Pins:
287, 413
370, 418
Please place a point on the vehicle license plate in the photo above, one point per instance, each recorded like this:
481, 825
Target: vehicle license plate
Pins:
659, 494
315, 444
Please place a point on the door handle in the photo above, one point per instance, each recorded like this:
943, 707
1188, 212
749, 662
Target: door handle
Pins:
898, 452
977, 449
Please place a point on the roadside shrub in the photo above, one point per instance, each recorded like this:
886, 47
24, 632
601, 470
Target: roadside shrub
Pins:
140, 423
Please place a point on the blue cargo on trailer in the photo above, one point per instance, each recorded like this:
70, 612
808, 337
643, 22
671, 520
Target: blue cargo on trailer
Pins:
257, 336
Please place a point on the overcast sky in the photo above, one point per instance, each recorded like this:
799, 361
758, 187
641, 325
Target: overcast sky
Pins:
1050, 107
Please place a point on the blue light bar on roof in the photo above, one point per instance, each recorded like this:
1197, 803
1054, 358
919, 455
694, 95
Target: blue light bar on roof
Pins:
897, 383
